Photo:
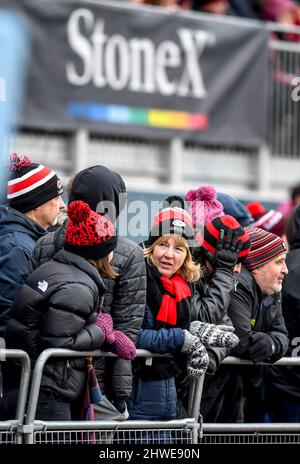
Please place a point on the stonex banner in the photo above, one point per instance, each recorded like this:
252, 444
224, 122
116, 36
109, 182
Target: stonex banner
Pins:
144, 72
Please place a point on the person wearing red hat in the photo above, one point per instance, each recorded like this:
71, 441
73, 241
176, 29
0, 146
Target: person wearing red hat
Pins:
104, 191
224, 245
167, 325
34, 203
58, 307
256, 313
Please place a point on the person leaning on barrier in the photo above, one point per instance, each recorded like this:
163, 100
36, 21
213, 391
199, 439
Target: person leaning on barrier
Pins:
105, 192
34, 203
224, 245
167, 326
57, 307
255, 311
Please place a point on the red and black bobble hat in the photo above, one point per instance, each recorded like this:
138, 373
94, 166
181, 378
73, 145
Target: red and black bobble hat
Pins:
30, 184
172, 221
265, 247
89, 234
212, 232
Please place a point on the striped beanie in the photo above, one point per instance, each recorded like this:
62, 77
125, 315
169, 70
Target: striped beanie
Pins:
88, 233
30, 184
172, 221
212, 232
265, 247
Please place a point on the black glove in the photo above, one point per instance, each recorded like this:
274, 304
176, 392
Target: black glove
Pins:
227, 250
261, 347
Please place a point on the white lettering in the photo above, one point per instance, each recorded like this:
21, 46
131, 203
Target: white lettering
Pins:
117, 48
142, 53
81, 46
117, 62
168, 54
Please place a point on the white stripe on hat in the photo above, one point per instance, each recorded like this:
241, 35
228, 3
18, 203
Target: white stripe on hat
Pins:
29, 174
31, 187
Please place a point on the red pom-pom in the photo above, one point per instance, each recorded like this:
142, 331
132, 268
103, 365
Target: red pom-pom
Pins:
17, 162
79, 211
206, 193
255, 208
191, 195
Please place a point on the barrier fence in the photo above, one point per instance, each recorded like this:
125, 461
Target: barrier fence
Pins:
25, 429
11, 431
183, 431
254, 433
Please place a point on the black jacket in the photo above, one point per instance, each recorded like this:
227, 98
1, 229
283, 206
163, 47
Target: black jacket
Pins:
125, 300
236, 393
247, 317
57, 308
210, 301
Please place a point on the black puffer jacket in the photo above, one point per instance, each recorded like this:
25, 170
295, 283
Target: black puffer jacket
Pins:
57, 308
125, 300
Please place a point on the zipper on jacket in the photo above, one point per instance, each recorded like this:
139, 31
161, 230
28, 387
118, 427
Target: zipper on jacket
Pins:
235, 283
68, 368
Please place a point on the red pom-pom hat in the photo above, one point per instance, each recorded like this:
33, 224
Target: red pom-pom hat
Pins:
88, 233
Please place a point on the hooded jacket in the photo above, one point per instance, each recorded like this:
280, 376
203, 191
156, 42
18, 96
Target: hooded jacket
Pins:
125, 296
18, 235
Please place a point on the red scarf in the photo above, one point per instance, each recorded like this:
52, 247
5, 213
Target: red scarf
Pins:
173, 302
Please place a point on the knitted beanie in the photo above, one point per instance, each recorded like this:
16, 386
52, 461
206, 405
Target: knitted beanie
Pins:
271, 10
89, 234
172, 221
212, 233
203, 205
30, 184
265, 247
272, 220
235, 208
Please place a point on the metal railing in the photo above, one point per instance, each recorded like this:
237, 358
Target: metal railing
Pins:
11, 431
252, 433
127, 432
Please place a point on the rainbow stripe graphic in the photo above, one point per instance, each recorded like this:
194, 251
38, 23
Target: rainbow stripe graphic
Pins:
152, 117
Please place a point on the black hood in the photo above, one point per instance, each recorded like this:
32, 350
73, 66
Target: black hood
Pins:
296, 232
104, 190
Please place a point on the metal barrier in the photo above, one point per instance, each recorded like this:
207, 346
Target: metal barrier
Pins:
254, 433
184, 431
11, 431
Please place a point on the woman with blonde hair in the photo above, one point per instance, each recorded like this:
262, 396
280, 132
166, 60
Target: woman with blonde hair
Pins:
167, 323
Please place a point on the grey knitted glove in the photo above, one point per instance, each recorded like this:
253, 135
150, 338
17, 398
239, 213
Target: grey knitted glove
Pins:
212, 335
197, 360
189, 341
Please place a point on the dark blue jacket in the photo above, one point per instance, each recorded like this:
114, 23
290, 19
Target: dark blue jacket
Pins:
159, 341
154, 390
18, 235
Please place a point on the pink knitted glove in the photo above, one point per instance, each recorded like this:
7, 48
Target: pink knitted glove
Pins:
123, 346
105, 322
